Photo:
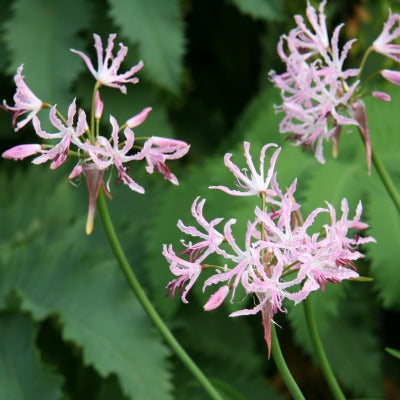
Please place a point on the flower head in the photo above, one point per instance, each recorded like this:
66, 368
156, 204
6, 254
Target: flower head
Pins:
108, 65
157, 150
25, 101
185, 270
316, 92
68, 134
211, 239
391, 31
105, 155
256, 183
279, 259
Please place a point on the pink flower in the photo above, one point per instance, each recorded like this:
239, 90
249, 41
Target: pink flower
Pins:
22, 151
108, 65
317, 97
391, 31
25, 101
67, 133
217, 298
283, 256
212, 239
257, 183
315, 42
157, 150
104, 155
184, 270
243, 260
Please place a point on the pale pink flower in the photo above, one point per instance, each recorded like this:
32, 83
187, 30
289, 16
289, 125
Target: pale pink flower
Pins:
157, 150
217, 298
105, 155
256, 183
310, 42
280, 258
108, 65
184, 270
25, 101
22, 151
211, 239
243, 259
317, 96
384, 43
67, 133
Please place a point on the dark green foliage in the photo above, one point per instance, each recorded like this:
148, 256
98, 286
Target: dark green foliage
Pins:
36, 38
70, 328
158, 28
23, 375
54, 275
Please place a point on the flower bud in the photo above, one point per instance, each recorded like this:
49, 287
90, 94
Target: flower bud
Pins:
217, 298
22, 151
391, 76
139, 118
381, 96
98, 106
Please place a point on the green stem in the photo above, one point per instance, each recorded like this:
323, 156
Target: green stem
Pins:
92, 126
386, 180
283, 368
146, 303
322, 358
364, 59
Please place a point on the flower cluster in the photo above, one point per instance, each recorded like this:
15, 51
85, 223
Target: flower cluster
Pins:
95, 151
281, 258
320, 95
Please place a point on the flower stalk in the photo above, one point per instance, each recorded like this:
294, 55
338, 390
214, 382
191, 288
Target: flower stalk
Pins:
146, 303
386, 180
283, 368
320, 352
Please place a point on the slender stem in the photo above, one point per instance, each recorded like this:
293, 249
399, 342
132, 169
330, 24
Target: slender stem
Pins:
146, 303
283, 368
364, 59
92, 126
323, 359
386, 180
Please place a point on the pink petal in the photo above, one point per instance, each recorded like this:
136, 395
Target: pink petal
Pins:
139, 118
22, 151
217, 298
391, 76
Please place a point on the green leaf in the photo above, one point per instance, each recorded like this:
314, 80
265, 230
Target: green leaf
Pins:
269, 10
58, 271
393, 352
40, 34
23, 375
158, 28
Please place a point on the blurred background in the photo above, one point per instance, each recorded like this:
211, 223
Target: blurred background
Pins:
70, 328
